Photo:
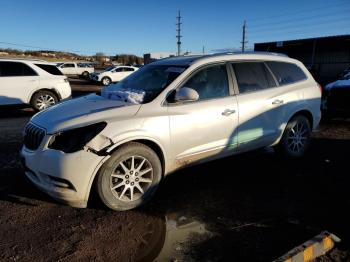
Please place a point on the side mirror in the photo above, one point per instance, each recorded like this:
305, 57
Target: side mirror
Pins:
186, 94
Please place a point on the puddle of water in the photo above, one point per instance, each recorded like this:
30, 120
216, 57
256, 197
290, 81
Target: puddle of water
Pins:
173, 236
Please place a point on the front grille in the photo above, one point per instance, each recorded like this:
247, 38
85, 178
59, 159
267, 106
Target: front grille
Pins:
33, 136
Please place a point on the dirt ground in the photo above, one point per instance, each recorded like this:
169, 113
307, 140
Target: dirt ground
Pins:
254, 207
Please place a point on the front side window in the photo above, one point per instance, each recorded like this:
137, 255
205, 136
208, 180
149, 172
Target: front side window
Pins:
286, 73
152, 79
210, 82
252, 77
15, 69
119, 69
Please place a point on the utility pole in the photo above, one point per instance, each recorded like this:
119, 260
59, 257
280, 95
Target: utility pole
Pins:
178, 36
243, 37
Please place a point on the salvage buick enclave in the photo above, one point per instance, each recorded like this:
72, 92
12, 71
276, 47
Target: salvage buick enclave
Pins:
169, 114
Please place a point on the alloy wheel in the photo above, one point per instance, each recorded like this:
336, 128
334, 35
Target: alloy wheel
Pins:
298, 137
131, 178
44, 101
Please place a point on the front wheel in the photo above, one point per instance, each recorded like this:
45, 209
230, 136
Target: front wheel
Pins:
106, 81
130, 177
296, 138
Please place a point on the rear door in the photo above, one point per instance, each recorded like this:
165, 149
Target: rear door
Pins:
17, 82
260, 105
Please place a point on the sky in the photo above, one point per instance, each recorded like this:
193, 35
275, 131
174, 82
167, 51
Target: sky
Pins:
143, 26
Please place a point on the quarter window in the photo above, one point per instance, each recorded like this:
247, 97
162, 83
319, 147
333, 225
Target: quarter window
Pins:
252, 76
67, 65
286, 73
15, 69
51, 69
210, 82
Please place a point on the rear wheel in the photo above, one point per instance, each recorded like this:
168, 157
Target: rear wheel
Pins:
43, 99
85, 74
106, 81
296, 137
130, 177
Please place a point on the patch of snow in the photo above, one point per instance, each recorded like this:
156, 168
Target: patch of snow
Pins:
126, 95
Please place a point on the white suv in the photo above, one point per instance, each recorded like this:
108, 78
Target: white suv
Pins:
113, 74
169, 114
33, 82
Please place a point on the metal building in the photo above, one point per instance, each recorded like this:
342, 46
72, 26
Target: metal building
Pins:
325, 57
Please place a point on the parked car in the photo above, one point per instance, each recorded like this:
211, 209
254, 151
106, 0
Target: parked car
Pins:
76, 69
336, 96
169, 114
113, 74
34, 82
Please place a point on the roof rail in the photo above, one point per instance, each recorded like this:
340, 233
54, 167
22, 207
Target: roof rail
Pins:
251, 52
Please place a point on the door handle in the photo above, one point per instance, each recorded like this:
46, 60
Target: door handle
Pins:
277, 102
228, 112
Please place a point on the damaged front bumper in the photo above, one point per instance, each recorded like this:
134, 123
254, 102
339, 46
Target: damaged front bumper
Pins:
66, 177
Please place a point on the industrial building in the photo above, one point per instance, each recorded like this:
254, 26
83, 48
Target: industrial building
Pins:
325, 57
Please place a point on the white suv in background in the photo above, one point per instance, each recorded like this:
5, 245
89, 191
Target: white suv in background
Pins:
33, 82
170, 114
113, 74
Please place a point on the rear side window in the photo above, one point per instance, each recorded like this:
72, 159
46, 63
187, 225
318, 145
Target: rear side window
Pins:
15, 69
128, 69
51, 69
286, 73
252, 76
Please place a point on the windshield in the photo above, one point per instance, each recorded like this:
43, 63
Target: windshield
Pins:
151, 79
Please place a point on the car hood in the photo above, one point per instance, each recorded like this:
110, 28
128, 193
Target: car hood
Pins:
338, 84
83, 111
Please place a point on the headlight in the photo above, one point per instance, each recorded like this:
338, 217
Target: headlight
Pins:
75, 139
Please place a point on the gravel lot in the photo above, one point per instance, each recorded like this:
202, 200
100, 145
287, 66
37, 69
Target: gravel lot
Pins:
252, 207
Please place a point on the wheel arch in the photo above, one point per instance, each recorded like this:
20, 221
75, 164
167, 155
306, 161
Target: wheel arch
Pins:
307, 114
151, 143
146, 141
53, 90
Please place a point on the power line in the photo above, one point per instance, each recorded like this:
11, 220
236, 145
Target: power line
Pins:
300, 11
302, 29
295, 20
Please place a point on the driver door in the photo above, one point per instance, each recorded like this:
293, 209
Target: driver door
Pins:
206, 128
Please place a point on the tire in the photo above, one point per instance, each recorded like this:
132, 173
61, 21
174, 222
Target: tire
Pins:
120, 188
106, 81
43, 99
86, 74
296, 138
